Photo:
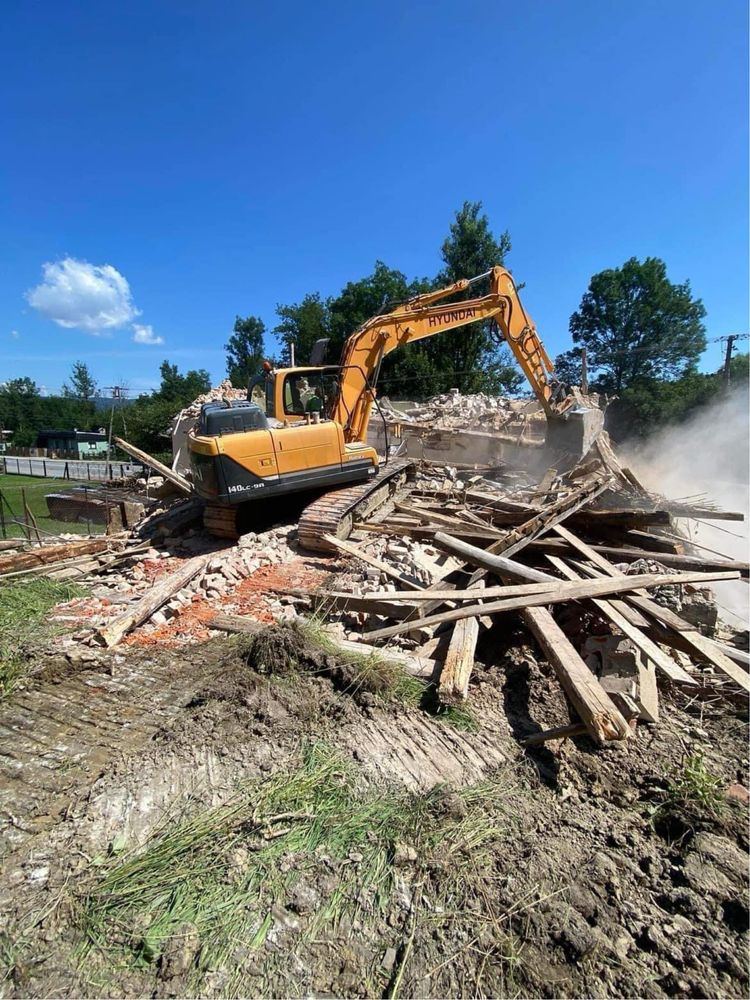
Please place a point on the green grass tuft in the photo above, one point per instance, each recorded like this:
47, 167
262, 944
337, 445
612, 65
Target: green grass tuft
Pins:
24, 611
694, 787
222, 871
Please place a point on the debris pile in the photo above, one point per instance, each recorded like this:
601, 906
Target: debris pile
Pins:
223, 391
478, 411
590, 567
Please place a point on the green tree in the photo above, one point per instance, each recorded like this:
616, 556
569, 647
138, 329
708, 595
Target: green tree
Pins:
301, 325
245, 350
636, 324
475, 356
82, 385
180, 390
149, 419
20, 410
568, 368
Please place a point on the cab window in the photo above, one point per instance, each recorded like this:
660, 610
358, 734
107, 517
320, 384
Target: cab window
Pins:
308, 392
261, 393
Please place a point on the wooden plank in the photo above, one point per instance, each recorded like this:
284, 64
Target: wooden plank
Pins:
486, 560
44, 554
459, 660
432, 517
661, 660
700, 645
359, 553
618, 554
652, 542
705, 513
355, 603
424, 532
595, 708
143, 456
508, 590
558, 733
563, 592
159, 594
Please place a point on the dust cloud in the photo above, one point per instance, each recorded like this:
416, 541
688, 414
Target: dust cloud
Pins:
706, 458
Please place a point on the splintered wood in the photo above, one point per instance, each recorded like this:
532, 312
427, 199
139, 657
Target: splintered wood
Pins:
527, 552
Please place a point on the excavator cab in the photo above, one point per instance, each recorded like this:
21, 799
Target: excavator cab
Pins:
281, 440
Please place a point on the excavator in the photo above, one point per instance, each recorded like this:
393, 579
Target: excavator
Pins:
304, 429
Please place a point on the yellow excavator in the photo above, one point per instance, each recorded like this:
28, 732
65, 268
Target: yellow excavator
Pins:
305, 428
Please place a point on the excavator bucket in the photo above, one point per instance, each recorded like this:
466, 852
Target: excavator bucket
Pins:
573, 432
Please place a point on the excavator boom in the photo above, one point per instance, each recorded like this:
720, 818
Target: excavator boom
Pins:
421, 317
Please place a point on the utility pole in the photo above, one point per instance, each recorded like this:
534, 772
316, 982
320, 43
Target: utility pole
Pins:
730, 340
584, 372
118, 393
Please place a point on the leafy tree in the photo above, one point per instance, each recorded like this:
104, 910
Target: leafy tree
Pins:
22, 388
82, 385
149, 419
473, 352
636, 324
245, 350
181, 389
568, 369
19, 410
302, 324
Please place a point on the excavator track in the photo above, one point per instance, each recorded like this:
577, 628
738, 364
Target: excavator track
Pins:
331, 514
334, 513
221, 522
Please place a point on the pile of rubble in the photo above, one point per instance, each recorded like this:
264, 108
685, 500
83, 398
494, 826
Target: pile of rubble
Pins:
590, 564
223, 391
455, 411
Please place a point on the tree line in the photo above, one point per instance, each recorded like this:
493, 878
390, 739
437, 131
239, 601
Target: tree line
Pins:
642, 336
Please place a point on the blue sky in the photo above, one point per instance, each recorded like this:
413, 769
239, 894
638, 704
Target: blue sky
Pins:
227, 157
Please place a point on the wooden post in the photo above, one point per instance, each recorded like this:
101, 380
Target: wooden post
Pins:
459, 660
25, 507
596, 709
159, 594
179, 481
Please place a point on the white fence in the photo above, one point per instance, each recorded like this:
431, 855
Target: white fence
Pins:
79, 470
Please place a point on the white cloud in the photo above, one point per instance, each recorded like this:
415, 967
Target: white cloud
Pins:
91, 297
145, 335
15, 334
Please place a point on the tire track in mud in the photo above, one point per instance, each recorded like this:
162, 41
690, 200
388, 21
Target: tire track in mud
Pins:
56, 739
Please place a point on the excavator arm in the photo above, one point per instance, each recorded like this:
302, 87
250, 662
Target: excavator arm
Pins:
421, 317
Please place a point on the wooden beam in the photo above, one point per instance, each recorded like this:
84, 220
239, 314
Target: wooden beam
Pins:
431, 517
558, 733
32, 557
661, 660
486, 560
563, 592
159, 594
700, 645
470, 594
459, 660
423, 532
143, 456
595, 708
619, 554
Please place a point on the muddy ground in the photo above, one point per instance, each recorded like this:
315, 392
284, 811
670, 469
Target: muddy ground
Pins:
218, 821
